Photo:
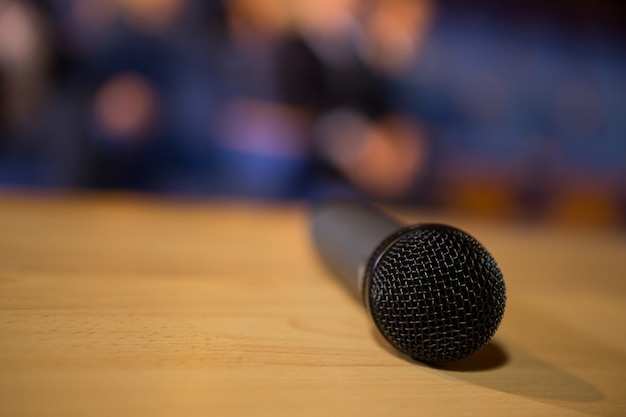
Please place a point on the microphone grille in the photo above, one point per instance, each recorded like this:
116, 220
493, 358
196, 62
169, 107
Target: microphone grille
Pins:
435, 293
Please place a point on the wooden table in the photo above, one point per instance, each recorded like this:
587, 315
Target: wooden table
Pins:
118, 305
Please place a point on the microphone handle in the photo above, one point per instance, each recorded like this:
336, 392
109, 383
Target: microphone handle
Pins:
346, 234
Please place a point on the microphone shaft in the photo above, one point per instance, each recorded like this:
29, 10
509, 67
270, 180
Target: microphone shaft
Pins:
346, 234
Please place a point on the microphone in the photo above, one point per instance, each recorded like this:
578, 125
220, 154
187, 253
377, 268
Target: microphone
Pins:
433, 291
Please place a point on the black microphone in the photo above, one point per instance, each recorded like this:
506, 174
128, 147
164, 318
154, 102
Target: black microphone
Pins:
433, 291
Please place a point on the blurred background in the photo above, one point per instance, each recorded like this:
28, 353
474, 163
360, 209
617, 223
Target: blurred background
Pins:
511, 109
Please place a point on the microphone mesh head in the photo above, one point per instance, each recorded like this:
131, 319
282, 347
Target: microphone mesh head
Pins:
435, 293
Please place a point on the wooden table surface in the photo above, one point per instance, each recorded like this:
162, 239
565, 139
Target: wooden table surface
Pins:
118, 305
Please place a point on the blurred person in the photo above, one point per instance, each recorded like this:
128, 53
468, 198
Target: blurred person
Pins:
264, 141
327, 67
148, 86
40, 143
24, 58
187, 104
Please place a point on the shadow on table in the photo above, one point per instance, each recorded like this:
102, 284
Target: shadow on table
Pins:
523, 374
491, 356
510, 370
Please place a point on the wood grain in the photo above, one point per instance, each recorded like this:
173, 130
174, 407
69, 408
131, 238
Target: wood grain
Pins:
119, 305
